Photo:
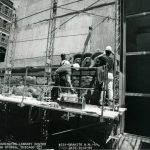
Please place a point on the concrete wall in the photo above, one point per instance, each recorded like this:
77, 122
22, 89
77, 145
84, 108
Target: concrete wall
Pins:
31, 38
103, 30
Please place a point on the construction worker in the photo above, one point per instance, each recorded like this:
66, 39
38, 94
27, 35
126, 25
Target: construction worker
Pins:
110, 67
64, 72
99, 62
64, 60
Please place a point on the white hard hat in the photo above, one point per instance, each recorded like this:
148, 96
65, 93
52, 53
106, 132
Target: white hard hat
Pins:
109, 48
76, 66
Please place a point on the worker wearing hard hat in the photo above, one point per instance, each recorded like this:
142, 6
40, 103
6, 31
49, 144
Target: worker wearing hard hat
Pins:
110, 67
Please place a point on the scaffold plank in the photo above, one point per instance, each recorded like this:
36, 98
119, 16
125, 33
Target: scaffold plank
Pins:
90, 110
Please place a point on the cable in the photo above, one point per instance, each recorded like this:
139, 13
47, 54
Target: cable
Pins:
79, 11
79, 128
28, 40
95, 26
72, 17
75, 15
88, 13
65, 22
46, 10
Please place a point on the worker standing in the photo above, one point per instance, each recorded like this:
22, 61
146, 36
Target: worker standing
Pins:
64, 72
110, 67
64, 60
98, 61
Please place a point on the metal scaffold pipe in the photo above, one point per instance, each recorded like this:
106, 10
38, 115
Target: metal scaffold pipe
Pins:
50, 41
138, 15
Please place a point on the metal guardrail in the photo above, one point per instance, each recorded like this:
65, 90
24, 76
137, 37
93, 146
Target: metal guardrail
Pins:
51, 86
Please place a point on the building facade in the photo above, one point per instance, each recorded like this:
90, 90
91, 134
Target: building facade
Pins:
6, 14
72, 28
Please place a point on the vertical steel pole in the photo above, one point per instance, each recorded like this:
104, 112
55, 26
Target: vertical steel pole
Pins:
50, 42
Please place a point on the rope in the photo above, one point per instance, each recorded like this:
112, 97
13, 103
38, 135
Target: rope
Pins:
88, 13
28, 40
78, 12
75, 12
81, 11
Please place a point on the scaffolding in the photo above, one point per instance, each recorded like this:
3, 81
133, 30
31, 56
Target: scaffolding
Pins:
50, 47
103, 112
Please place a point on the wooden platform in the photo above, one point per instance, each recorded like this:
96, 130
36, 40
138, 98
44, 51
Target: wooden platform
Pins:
90, 110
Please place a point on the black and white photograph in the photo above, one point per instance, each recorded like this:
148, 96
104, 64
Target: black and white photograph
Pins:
74, 74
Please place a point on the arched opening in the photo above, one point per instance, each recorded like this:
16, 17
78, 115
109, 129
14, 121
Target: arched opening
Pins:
2, 54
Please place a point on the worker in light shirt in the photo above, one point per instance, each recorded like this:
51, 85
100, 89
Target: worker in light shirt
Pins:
64, 60
64, 72
110, 67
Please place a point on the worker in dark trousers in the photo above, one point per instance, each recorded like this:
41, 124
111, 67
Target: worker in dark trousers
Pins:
96, 97
107, 58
